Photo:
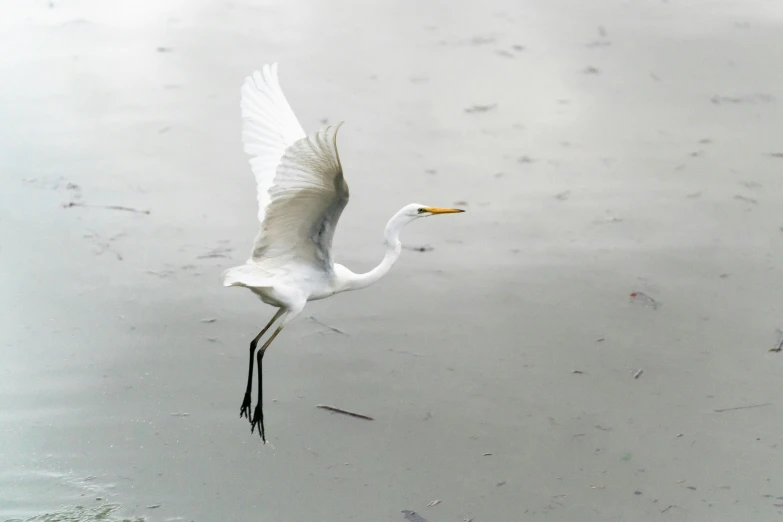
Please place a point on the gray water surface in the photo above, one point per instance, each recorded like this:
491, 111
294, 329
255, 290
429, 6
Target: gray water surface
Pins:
601, 148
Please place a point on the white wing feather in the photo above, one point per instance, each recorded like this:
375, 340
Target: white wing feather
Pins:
301, 188
307, 198
269, 127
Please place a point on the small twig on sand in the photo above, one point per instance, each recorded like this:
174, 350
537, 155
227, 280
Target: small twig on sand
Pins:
779, 346
344, 412
721, 410
109, 207
332, 328
404, 352
420, 248
216, 252
163, 274
480, 108
644, 299
104, 244
412, 516
638, 373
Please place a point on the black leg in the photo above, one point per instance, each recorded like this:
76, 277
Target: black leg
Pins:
245, 410
258, 415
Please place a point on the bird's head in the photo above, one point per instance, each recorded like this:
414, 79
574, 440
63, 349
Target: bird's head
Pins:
416, 210
410, 213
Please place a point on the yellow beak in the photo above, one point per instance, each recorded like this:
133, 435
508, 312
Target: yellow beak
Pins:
438, 210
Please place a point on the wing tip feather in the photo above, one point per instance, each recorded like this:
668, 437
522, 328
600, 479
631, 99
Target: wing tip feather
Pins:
265, 74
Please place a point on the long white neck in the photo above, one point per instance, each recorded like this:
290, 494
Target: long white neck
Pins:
391, 239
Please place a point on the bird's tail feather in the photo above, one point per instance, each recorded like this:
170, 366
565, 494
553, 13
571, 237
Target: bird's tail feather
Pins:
245, 275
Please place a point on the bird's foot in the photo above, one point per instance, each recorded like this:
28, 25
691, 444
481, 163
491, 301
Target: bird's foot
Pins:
245, 410
258, 420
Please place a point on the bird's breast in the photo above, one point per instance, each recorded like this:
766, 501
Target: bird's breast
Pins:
321, 294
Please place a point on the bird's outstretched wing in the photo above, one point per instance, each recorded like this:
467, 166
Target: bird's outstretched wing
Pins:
269, 127
301, 202
307, 198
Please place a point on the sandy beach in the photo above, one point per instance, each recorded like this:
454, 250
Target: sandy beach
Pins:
590, 341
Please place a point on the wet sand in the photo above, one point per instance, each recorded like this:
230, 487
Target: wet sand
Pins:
601, 150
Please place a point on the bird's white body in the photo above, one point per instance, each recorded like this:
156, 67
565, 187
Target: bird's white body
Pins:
292, 285
302, 284
299, 283
301, 194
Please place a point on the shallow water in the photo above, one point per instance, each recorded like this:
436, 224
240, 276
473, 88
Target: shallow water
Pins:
600, 149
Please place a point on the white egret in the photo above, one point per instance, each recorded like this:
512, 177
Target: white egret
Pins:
301, 194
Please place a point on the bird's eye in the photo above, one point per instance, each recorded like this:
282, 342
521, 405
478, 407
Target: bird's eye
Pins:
422, 211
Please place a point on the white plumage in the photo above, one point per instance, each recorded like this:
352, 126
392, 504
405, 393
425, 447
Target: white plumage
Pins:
269, 127
301, 194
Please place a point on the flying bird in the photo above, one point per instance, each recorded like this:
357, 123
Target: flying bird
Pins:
301, 193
